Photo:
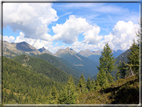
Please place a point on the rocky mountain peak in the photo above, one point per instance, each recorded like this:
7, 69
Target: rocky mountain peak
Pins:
65, 51
42, 49
86, 52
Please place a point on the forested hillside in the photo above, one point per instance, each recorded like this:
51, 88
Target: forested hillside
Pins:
21, 85
59, 64
79, 70
43, 67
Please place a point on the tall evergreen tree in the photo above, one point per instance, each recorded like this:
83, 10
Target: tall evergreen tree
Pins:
133, 58
53, 97
81, 84
93, 84
122, 68
68, 95
89, 84
106, 66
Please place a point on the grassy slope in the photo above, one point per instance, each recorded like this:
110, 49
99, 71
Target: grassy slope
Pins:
43, 67
123, 91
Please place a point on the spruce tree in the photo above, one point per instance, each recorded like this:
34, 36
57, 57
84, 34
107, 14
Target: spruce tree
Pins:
63, 95
133, 58
53, 97
122, 69
81, 84
106, 66
68, 95
89, 84
93, 84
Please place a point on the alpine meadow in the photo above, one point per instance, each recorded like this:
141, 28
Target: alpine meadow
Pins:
68, 54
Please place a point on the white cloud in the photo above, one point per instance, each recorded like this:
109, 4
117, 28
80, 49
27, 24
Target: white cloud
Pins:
8, 39
120, 38
91, 36
70, 30
37, 43
122, 35
32, 19
77, 46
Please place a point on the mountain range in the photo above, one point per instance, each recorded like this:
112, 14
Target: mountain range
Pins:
69, 61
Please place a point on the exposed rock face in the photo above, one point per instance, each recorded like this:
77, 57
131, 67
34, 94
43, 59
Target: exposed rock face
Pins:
13, 49
42, 49
86, 52
65, 51
23, 46
46, 51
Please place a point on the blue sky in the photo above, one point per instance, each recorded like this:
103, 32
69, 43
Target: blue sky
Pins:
79, 26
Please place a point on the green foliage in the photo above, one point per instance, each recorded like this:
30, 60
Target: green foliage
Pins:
59, 64
43, 67
24, 83
68, 94
133, 57
89, 84
106, 66
81, 87
122, 69
123, 91
93, 85
53, 97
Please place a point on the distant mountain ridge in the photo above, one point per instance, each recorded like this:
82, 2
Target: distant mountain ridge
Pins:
14, 49
88, 52
117, 53
81, 62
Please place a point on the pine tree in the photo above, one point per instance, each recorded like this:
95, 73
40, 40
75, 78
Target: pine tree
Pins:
68, 95
122, 68
133, 58
89, 84
81, 84
93, 84
97, 84
53, 97
71, 91
63, 95
106, 66
54, 92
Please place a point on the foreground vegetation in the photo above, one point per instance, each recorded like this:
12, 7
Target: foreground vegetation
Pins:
123, 91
